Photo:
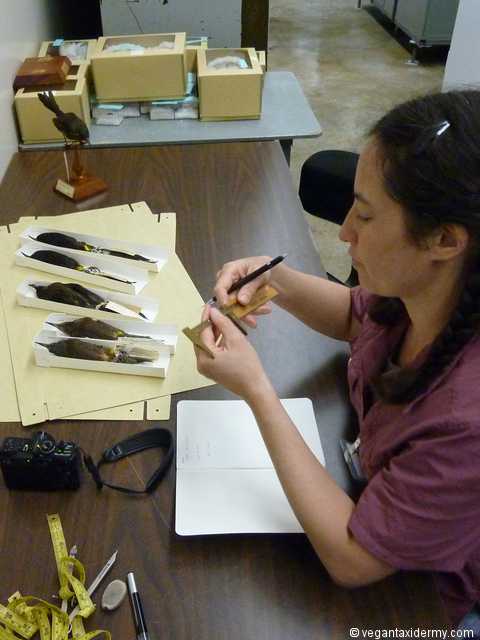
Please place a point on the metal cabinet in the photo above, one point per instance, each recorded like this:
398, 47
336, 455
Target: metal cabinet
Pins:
427, 22
388, 7
222, 21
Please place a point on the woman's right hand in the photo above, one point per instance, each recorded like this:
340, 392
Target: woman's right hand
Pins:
231, 272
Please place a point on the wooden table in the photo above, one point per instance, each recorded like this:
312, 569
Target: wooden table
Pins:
231, 200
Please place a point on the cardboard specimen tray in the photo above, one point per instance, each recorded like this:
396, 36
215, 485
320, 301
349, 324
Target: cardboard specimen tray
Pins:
156, 368
144, 332
137, 307
156, 255
119, 277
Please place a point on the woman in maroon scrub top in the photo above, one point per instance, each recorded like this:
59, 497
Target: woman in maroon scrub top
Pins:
414, 373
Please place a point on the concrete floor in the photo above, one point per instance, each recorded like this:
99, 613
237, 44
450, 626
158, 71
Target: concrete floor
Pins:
352, 70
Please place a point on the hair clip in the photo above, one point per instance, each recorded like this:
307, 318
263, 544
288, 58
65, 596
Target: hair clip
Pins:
443, 127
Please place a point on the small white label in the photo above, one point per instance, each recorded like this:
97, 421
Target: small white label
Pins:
119, 308
65, 188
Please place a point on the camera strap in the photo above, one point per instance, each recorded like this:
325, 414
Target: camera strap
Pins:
139, 442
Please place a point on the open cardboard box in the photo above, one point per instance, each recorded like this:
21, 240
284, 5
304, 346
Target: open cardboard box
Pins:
158, 255
153, 73
35, 120
133, 307
145, 332
121, 277
229, 94
48, 48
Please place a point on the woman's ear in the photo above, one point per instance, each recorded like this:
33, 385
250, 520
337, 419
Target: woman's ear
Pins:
449, 241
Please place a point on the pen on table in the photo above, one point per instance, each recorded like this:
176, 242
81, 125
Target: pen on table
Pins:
251, 276
139, 617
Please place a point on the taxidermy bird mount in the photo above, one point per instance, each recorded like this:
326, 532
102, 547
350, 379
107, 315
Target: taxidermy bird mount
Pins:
80, 185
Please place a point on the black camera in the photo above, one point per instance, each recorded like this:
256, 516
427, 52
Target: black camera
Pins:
40, 463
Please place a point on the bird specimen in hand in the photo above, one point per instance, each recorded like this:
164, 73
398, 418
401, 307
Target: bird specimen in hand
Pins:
74, 294
63, 240
73, 348
61, 260
89, 328
69, 124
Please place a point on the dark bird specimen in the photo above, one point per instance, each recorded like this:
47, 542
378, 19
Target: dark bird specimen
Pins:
70, 293
74, 294
62, 240
89, 328
87, 351
69, 124
61, 260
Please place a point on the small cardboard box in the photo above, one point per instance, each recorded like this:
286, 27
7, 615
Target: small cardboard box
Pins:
233, 93
48, 48
35, 120
148, 74
201, 43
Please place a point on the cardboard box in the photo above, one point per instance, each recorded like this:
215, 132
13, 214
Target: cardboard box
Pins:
150, 74
47, 48
233, 93
192, 53
35, 120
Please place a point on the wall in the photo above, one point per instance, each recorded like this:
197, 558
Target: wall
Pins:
22, 27
463, 64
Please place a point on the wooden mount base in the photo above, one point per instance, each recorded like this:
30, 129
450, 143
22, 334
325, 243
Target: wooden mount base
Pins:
80, 188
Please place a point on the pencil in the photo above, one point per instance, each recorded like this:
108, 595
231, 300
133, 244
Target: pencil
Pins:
251, 276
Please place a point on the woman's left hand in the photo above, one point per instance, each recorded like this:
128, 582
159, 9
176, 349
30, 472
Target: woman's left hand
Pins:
236, 364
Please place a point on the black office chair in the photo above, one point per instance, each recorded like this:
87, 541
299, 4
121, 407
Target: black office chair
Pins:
326, 190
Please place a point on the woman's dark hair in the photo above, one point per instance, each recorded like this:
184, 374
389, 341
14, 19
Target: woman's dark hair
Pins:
430, 148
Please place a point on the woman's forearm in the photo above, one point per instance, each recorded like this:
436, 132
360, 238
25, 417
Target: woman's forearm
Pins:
322, 508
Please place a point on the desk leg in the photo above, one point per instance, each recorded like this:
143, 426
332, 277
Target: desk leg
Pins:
359, 4
286, 148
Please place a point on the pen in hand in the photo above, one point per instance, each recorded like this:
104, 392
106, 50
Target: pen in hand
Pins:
251, 276
139, 616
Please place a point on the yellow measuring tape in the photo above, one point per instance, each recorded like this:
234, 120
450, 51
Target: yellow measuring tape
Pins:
64, 565
24, 616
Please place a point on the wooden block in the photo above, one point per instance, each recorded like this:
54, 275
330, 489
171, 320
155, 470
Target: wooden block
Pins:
238, 311
43, 71
151, 74
229, 94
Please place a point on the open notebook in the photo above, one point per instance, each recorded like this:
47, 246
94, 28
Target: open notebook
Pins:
226, 482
